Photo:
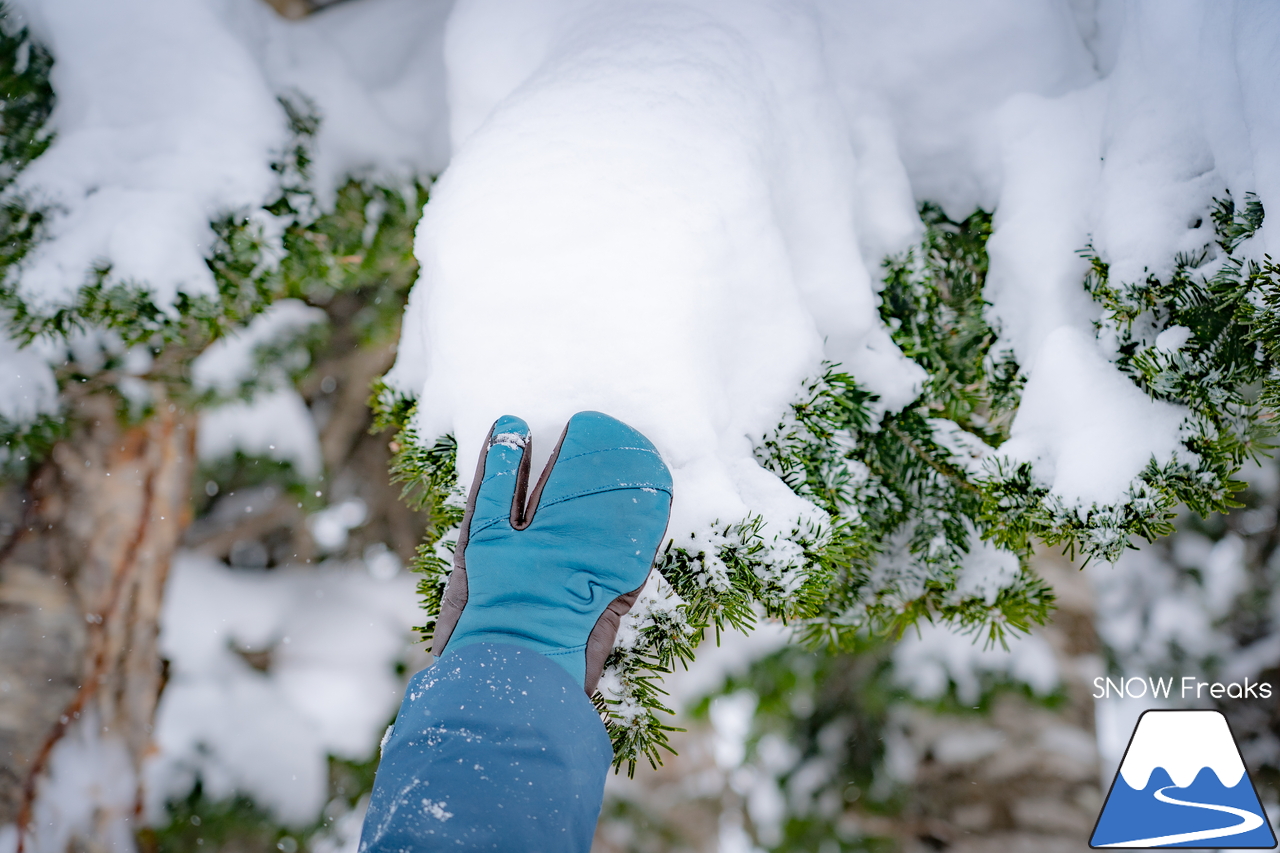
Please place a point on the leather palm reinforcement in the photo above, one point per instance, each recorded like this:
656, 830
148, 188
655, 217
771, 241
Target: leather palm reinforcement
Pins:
555, 573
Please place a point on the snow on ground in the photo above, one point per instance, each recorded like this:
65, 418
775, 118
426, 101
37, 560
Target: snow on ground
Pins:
674, 212
271, 672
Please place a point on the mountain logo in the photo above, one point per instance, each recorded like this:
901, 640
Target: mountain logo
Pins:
1182, 783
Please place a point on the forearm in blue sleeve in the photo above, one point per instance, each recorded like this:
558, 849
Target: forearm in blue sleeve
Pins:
496, 747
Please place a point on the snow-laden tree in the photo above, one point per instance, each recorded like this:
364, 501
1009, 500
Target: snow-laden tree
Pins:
180, 235
703, 218
898, 291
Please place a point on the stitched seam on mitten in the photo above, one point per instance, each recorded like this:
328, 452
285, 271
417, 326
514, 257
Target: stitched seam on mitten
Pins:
615, 487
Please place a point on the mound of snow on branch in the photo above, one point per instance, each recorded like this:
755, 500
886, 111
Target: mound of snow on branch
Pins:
674, 212
167, 116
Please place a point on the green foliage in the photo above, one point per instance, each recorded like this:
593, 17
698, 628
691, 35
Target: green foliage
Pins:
241, 471
27, 97
1203, 337
921, 518
891, 493
350, 255
722, 577
818, 734
238, 825
287, 249
429, 479
904, 489
23, 443
360, 248
831, 710
198, 823
28, 100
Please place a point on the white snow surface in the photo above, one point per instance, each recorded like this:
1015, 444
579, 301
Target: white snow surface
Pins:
637, 230
233, 360
163, 121
88, 791
333, 635
673, 212
275, 424
1183, 743
167, 117
375, 70
1087, 428
27, 386
933, 657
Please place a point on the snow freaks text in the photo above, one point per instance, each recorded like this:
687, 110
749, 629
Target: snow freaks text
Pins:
1189, 687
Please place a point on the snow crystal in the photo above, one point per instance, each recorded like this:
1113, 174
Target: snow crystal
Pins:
436, 809
513, 440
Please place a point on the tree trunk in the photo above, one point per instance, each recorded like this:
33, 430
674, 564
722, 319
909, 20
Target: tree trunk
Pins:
81, 584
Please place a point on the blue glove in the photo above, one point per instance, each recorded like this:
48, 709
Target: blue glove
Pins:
556, 574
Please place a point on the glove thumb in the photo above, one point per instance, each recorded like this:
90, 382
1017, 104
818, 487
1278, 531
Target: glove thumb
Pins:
500, 484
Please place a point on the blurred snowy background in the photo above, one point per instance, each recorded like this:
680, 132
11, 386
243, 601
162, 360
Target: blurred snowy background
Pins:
787, 148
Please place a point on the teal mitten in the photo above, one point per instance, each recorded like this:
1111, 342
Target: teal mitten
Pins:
556, 574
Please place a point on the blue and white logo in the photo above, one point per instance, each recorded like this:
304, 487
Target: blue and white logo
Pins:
1182, 783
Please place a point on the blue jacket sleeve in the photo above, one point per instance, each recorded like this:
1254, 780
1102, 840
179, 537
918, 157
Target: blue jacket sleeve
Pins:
495, 747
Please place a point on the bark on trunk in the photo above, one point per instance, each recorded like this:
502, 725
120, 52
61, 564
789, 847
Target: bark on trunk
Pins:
81, 583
